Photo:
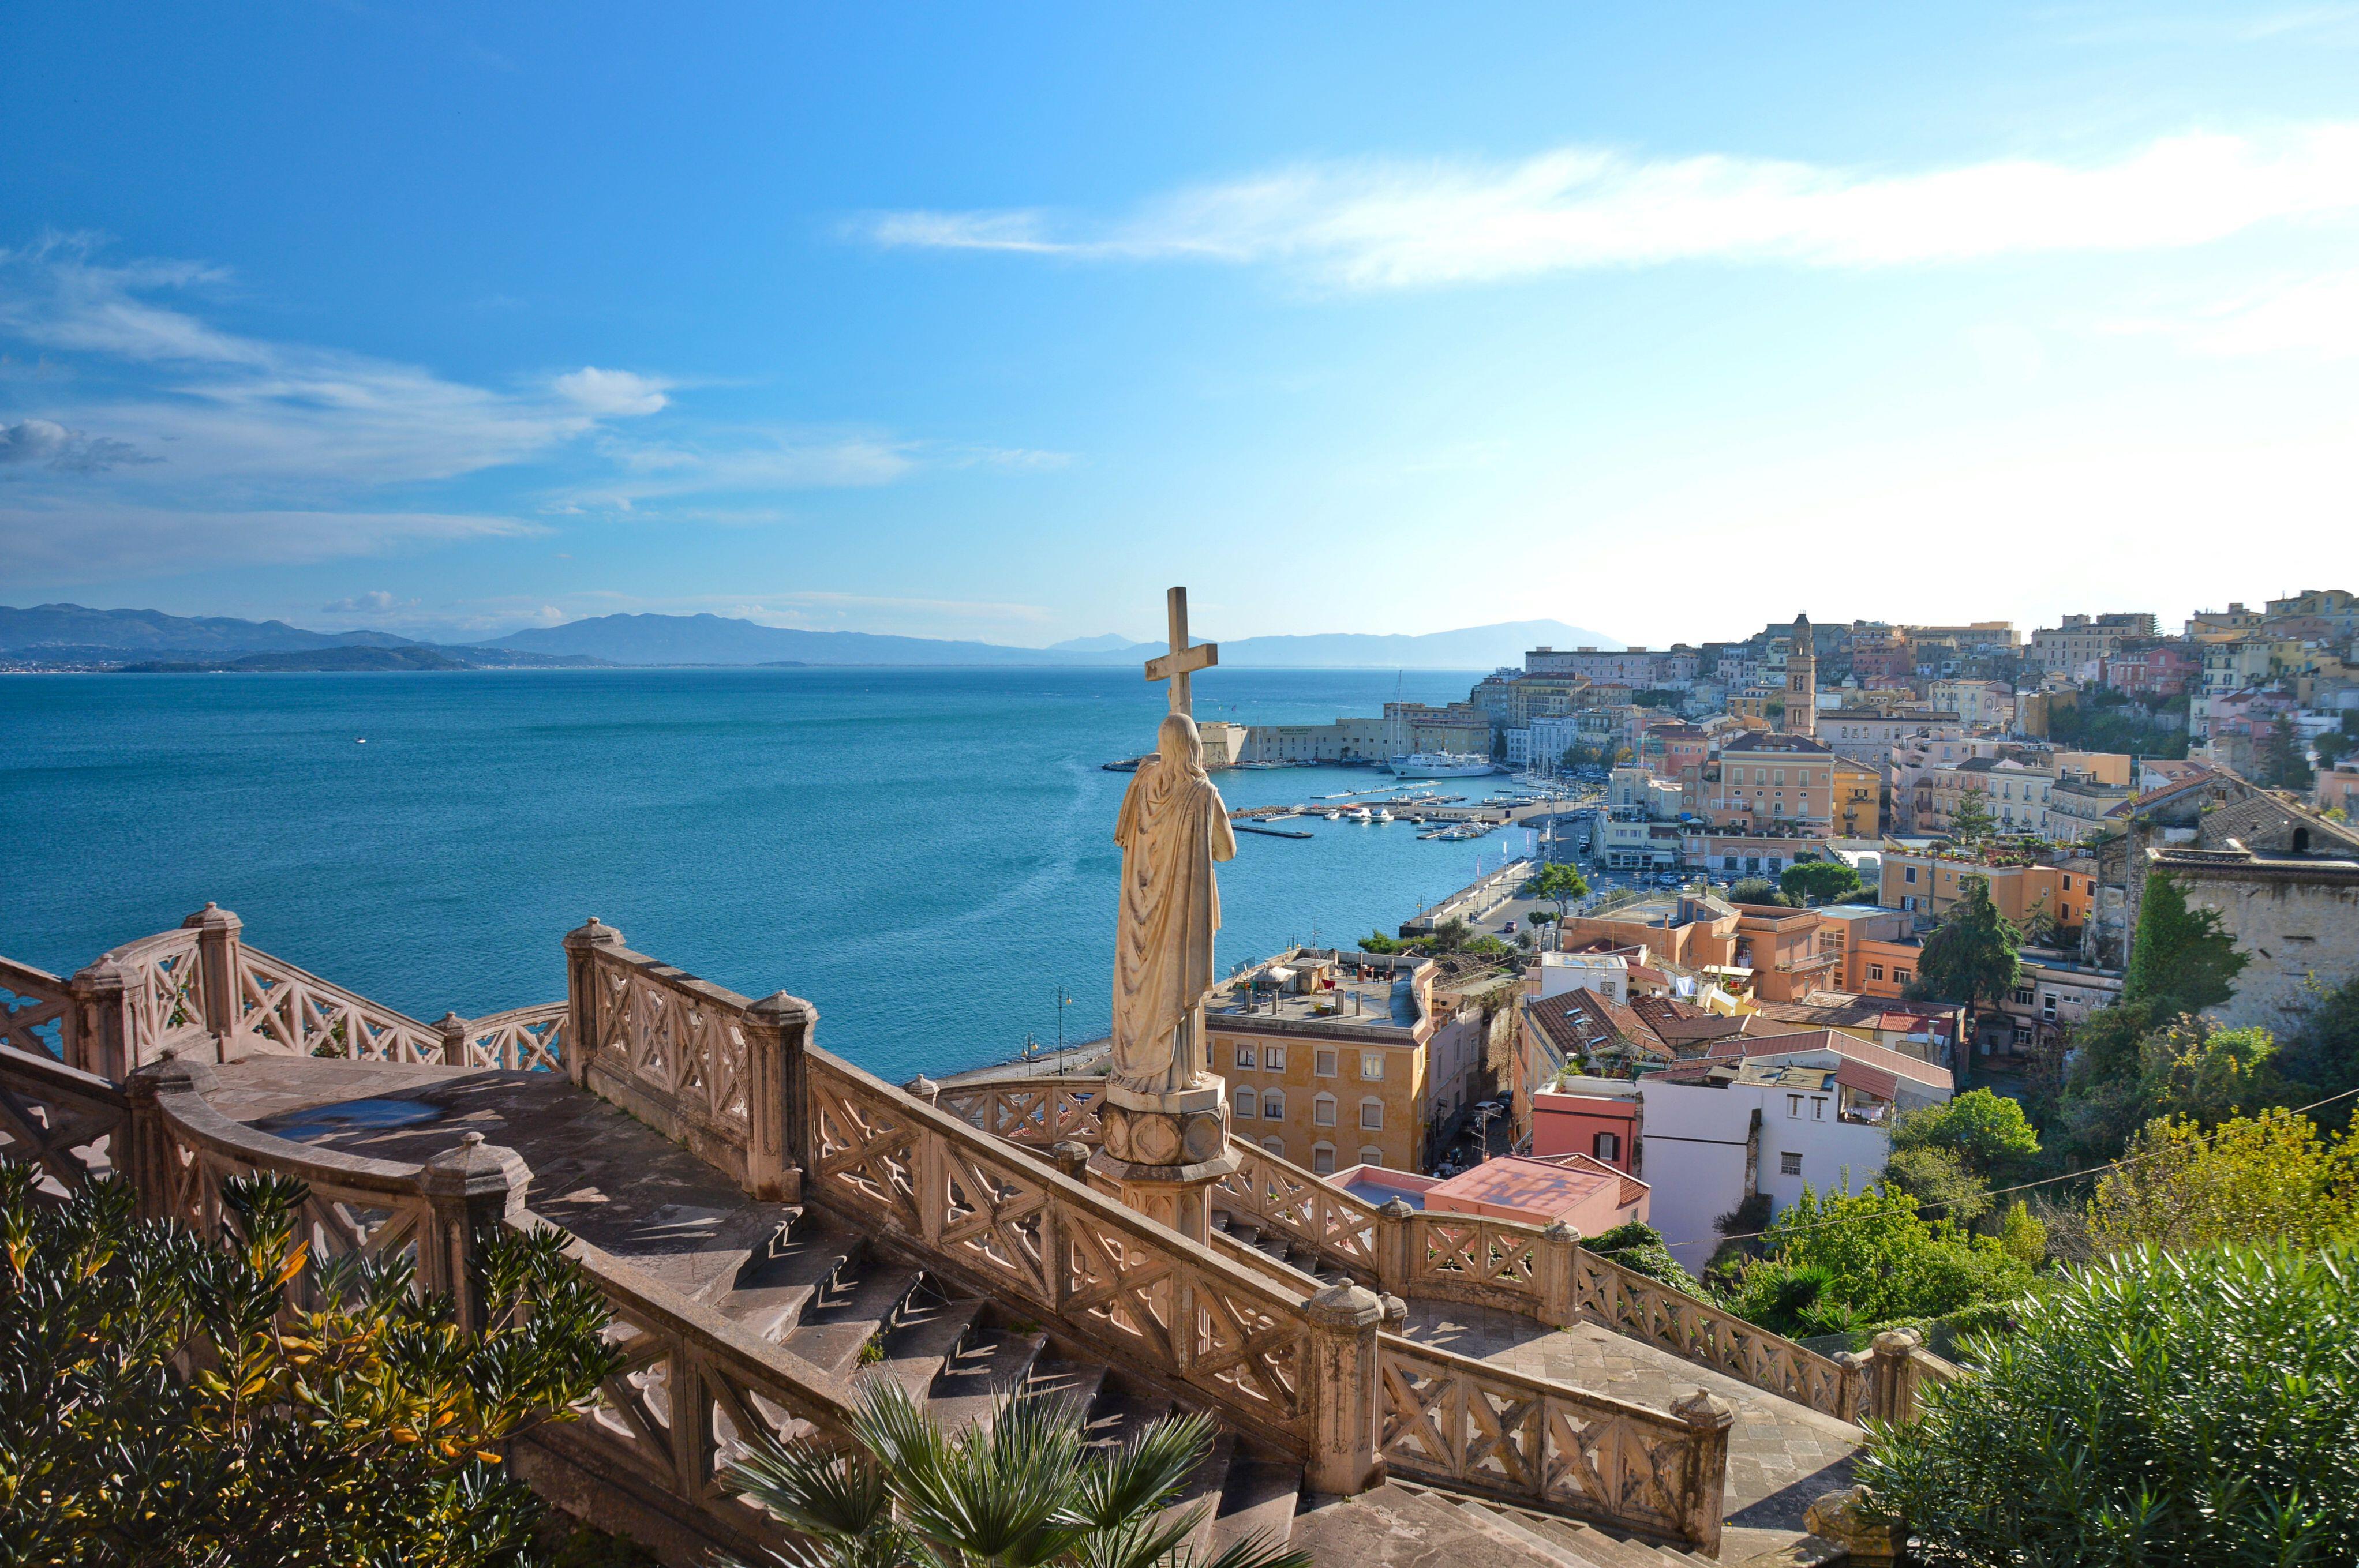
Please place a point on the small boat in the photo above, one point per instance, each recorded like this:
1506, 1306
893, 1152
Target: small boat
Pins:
1383, 816
1360, 813
1334, 815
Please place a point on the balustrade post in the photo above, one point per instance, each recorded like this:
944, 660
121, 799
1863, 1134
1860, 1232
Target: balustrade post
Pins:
217, 969
147, 1160
582, 945
1892, 1376
1396, 1228
1343, 1386
453, 1029
1708, 1419
778, 1095
1559, 1251
1071, 1157
100, 1038
1853, 1404
471, 1191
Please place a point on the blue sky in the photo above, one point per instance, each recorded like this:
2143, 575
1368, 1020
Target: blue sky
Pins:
992, 321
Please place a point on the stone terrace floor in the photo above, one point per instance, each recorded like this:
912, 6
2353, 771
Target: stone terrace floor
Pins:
1782, 1456
612, 1181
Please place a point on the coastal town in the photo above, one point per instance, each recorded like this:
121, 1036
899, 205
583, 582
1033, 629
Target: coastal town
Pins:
1768, 833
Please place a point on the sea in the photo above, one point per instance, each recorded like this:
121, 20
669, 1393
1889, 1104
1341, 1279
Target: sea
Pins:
925, 854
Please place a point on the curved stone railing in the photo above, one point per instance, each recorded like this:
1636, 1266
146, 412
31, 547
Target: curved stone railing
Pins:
1344, 1230
523, 1038
164, 993
1459, 1422
1648, 1310
37, 1012
69, 1122
1034, 1112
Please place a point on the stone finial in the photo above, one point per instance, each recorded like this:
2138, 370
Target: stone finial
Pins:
1705, 1411
784, 1008
591, 934
475, 1169
212, 917
1071, 1156
1395, 1312
1557, 1230
1898, 1342
449, 1021
1345, 1306
922, 1087
1397, 1209
1851, 1521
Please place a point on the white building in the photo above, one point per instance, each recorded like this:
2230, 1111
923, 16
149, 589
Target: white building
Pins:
1812, 1109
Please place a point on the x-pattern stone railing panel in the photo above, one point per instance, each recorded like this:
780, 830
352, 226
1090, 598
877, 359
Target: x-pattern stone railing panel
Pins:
68, 1122
694, 1393
676, 1035
1646, 1309
1472, 1258
292, 1013
1033, 1112
1465, 1424
1342, 1228
37, 1012
1104, 1274
526, 1039
164, 992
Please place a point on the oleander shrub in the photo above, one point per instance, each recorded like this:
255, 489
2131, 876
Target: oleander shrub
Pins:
2154, 1408
170, 1400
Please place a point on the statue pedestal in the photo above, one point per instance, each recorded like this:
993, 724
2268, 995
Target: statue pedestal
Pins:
1166, 1151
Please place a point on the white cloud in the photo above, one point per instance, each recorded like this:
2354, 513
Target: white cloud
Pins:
2311, 318
612, 392
376, 602
80, 542
1373, 224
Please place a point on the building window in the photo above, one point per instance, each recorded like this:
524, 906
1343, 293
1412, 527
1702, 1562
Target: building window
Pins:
1323, 1063
1322, 1159
1818, 1108
1322, 1111
1273, 1058
1273, 1105
1902, 977
1275, 1146
1790, 1165
1907, 873
2023, 997
1371, 1064
1371, 1155
1794, 1106
1244, 1055
1247, 1100
1607, 1146
1371, 1116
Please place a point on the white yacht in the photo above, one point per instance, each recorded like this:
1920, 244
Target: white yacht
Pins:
1439, 765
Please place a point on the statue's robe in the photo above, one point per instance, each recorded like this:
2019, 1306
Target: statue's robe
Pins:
1172, 827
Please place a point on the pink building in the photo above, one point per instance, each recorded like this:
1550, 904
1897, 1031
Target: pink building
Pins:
2165, 669
1588, 1195
1596, 1116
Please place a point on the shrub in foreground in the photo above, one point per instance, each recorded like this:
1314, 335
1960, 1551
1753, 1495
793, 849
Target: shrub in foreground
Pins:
2154, 1408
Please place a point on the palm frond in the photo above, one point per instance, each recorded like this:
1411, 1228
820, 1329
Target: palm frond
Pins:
834, 1494
1257, 1551
1145, 1474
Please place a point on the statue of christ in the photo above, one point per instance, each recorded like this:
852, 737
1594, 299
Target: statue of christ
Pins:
1172, 827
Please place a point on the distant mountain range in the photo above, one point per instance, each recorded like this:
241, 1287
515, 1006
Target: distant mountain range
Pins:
70, 633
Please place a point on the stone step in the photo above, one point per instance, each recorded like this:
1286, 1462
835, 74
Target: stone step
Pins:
983, 1373
1259, 1494
1202, 1492
1390, 1528
924, 1337
780, 1278
1073, 1383
840, 1321
1123, 1408
1563, 1552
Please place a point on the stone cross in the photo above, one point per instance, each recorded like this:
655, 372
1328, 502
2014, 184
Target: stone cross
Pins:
1175, 665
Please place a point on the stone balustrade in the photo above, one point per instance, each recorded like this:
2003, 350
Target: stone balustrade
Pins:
1539, 1273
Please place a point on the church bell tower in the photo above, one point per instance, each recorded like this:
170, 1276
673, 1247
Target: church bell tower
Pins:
1802, 681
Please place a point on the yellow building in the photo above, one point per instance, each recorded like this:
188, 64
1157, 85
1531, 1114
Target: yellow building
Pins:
1931, 884
1858, 800
1341, 1059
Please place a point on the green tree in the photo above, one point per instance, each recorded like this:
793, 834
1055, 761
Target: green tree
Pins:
170, 1400
2255, 1180
2322, 1056
1377, 942
1988, 1132
1971, 956
2182, 960
2284, 757
1023, 1490
1820, 881
2154, 1408
1559, 882
1940, 1183
1844, 1260
2137, 1065
1756, 890
1972, 820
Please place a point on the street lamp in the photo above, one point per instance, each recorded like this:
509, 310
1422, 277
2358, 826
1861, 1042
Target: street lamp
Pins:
1064, 1000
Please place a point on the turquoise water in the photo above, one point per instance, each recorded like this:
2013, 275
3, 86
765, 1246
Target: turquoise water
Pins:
925, 854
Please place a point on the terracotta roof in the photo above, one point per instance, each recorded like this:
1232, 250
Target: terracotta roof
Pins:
1547, 1186
1582, 1022
1868, 1080
1855, 1049
1680, 1024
